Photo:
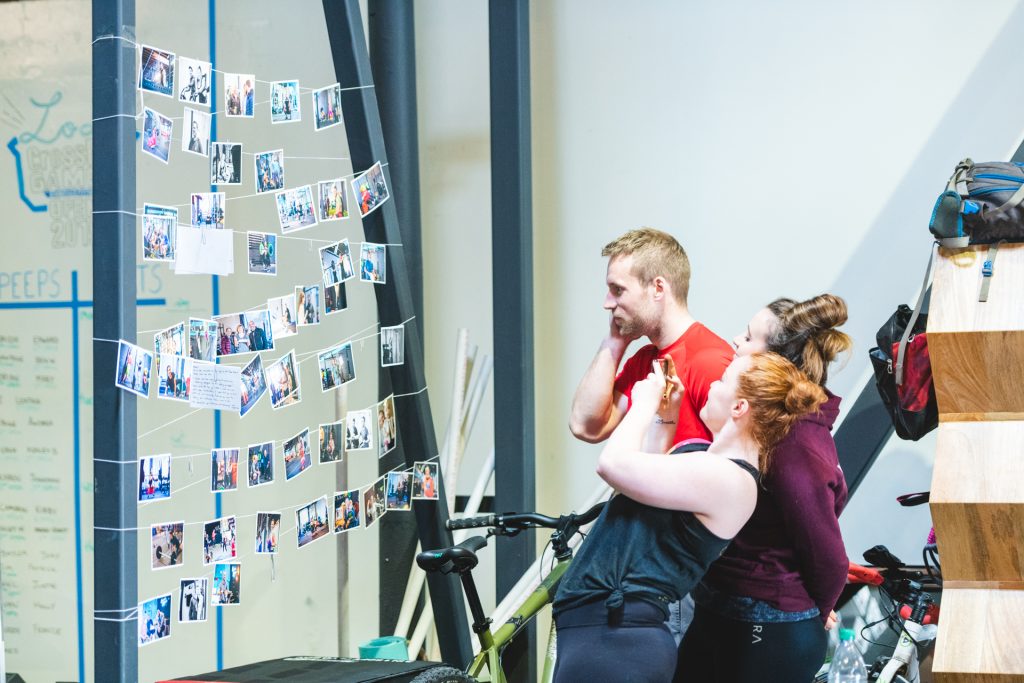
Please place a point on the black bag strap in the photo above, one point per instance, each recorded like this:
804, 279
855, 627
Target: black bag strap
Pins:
901, 353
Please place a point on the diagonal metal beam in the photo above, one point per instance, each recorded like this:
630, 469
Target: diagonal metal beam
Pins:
416, 439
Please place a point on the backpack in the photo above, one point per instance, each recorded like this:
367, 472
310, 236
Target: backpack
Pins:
902, 367
981, 205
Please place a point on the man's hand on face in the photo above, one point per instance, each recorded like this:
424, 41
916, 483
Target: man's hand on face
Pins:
616, 339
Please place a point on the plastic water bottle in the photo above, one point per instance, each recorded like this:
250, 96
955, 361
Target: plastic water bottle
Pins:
847, 664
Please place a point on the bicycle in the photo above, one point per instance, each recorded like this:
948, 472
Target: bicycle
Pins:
912, 612
461, 559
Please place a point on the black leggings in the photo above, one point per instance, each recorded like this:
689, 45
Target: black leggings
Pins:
720, 650
634, 647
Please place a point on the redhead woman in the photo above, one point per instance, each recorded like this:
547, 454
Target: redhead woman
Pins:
672, 517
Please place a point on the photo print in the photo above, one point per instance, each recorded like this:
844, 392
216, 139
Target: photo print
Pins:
336, 263
156, 72
194, 81
227, 584
262, 253
156, 134
333, 204
208, 209
155, 477
175, 378
327, 107
192, 600
219, 540
387, 426
195, 137
372, 263
392, 345
167, 544
332, 441
254, 385
373, 502
399, 491
370, 190
157, 210
307, 305
336, 367
158, 238
358, 430
239, 95
223, 469
346, 511
268, 529
295, 209
170, 341
424, 481
312, 521
260, 457
284, 102
335, 298
226, 163
283, 381
134, 364
298, 456
282, 316
244, 332
270, 171
154, 619
202, 340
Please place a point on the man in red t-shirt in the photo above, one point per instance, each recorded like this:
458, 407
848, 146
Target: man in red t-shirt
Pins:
648, 283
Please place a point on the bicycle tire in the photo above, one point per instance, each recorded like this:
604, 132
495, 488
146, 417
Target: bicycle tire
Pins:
443, 674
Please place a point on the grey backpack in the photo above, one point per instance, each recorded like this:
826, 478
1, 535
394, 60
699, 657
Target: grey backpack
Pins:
981, 205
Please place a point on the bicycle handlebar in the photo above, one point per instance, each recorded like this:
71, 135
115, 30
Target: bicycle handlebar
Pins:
524, 520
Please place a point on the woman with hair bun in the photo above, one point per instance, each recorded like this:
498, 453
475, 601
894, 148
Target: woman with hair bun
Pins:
763, 608
672, 517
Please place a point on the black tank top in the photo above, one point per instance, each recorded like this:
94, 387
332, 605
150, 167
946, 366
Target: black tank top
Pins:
635, 551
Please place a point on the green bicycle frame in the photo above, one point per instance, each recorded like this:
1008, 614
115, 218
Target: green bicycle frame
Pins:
492, 643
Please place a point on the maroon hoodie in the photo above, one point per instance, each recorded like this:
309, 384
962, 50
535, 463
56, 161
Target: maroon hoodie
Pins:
790, 554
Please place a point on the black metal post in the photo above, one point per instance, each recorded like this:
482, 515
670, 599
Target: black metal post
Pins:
392, 31
114, 410
416, 439
512, 277
393, 64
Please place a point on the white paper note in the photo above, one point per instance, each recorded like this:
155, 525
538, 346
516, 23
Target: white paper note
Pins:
203, 251
216, 386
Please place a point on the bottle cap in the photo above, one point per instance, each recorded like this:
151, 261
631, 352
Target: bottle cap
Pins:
846, 634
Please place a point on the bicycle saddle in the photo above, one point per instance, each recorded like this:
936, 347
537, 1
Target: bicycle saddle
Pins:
458, 558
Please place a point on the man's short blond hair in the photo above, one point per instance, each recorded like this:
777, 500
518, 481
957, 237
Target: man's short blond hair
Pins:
654, 253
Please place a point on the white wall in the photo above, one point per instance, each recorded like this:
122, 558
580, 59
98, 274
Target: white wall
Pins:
791, 152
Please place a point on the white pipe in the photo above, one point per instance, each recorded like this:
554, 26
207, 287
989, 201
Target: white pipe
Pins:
413, 588
458, 397
482, 481
420, 634
478, 389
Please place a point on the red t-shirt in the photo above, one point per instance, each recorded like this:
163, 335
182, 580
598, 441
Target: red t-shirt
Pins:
701, 357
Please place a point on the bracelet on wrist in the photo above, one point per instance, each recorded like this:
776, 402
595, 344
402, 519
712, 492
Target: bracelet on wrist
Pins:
659, 420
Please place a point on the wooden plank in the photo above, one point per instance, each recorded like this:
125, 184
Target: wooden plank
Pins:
954, 303
977, 500
978, 374
981, 637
